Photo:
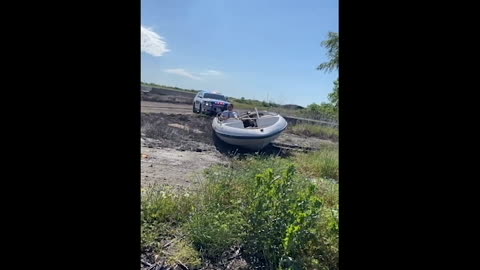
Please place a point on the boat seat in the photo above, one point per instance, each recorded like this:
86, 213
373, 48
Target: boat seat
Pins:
267, 121
233, 123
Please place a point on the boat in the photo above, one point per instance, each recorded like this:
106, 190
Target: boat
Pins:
252, 130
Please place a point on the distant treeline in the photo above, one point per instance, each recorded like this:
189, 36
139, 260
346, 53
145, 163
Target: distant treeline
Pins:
257, 103
170, 87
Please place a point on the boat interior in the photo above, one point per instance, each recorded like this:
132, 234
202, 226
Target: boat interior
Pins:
252, 120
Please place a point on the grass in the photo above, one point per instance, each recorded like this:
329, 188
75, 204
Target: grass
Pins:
162, 210
185, 252
319, 164
281, 212
312, 130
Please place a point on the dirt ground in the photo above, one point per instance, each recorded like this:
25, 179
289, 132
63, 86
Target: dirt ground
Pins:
163, 107
176, 148
180, 169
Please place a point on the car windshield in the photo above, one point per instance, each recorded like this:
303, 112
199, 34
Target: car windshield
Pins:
214, 96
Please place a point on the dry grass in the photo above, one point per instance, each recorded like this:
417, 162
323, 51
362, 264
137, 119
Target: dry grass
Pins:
312, 130
166, 98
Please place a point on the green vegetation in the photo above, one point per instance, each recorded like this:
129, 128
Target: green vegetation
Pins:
332, 45
162, 210
324, 111
324, 163
282, 212
255, 103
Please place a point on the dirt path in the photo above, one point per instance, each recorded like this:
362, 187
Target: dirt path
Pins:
178, 169
164, 107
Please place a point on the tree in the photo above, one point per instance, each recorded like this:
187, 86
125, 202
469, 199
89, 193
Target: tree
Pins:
326, 110
332, 45
333, 97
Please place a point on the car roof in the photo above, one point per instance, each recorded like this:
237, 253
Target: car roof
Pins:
212, 92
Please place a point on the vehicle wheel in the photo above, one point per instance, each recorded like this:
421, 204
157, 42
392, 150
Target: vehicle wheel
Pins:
194, 110
200, 108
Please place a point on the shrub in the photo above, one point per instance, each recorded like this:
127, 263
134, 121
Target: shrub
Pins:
280, 218
275, 214
323, 111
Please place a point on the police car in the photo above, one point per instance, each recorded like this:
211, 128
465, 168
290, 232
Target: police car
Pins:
210, 102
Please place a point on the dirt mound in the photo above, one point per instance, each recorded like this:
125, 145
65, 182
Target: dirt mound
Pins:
292, 106
181, 132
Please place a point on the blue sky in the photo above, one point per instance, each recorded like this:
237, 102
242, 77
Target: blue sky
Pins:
265, 50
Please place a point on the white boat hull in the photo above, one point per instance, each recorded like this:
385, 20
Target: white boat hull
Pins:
250, 138
252, 144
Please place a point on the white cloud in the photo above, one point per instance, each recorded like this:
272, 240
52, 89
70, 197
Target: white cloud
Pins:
211, 72
152, 43
194, 75
182, 72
